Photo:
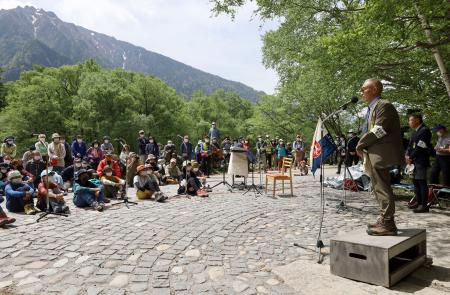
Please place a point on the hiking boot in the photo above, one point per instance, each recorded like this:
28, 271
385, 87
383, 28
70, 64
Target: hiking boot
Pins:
421, 209
66, 210
96, 206
101, 204
29, 209
378, 222
384, 228
58, 210
107, 200
4, 219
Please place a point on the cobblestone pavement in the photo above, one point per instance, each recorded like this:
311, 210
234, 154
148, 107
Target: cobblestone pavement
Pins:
229, 243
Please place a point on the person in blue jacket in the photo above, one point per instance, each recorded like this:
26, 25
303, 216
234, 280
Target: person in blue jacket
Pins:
79, 149
19, 195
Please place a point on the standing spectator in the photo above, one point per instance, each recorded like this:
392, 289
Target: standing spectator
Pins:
152, 147
79, 148
442, 162
186, 149
205, 155
214, 132
419, 155
299, 148
42, 147
68, 159
341, 152
56, 153
269, 152
281, 153
142, 143
107, 147
352, 157
8, 147
261, 152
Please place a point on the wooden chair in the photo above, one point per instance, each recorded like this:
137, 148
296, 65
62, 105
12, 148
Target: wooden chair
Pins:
283, 176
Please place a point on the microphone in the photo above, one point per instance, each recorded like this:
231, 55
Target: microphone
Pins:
352, 101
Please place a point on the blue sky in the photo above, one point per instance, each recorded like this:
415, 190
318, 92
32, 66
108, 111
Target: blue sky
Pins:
184, 30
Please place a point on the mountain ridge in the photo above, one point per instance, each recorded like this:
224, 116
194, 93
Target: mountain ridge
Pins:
68, 43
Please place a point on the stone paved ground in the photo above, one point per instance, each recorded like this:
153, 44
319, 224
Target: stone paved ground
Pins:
225, 244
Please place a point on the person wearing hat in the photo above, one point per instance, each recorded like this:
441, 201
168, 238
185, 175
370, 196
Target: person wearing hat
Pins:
157, 166
42, 147
146, 185
108, 161
107, 147
8, 147
94, 154
214, 132
47, 188
19, 195
172, 173
169, 149
56, 153
113, 185
299, 151
442, 162
78, 147
418, 153
186, 149
86, 193
35, 167
142, 144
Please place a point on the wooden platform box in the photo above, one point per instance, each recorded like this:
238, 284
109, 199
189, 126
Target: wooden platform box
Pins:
380, 261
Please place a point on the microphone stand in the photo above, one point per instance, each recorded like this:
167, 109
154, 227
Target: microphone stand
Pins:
125, 196
319, 242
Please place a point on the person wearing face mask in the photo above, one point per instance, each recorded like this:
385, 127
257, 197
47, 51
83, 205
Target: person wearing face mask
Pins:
57, 153
78, 147
86, 193
19, 195
107, 146
191, 184
152, 147
49, 189
200, 176
26, 176
94, 154
8, 147
169, 149
206, 152
42, 147
269, 152
214, 132
108, 161
281, 153
35, 167
172, 173
68, 174
114, 186
28, 155
186, 149
146, 185
442, 162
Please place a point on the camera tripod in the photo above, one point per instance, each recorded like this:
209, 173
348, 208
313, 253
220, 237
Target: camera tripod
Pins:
125, 195
224, 181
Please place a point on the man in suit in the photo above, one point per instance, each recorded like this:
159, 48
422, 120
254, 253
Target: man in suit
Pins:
381, 148
418, 153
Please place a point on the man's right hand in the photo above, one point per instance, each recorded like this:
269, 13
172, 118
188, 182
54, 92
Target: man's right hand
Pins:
28, 196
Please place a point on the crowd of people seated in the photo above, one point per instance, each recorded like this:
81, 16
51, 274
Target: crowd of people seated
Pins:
96, 172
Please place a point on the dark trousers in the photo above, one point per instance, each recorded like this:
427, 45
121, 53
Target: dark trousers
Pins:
340, 162
269, 160
206, 165
441, 165
421, 191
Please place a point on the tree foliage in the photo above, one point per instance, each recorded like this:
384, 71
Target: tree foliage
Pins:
324, 49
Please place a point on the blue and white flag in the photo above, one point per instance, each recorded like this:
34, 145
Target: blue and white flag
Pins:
321, 147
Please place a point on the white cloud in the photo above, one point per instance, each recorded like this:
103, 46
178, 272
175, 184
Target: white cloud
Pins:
183, 30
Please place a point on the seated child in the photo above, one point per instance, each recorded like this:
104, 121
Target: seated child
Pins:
191, 184
86, 193
200, 176
48, 189
19, 195
147, 185
112, 184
